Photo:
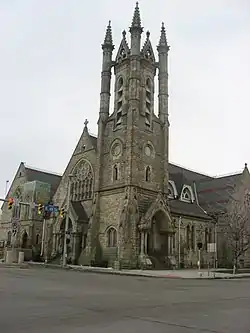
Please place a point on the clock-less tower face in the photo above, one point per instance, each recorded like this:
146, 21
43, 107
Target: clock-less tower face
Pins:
116, 149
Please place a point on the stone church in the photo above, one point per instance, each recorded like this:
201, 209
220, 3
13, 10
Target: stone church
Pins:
129, 207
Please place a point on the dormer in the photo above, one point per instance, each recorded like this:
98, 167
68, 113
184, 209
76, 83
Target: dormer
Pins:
172, 191
187, 194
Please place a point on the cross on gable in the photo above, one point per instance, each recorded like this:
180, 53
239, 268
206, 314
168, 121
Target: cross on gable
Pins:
86, 122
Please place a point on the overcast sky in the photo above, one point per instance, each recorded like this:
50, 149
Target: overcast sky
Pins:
50, 78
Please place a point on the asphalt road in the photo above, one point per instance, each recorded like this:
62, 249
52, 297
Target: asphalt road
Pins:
44, 300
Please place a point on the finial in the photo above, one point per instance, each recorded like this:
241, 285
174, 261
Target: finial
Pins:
163, 39
148, 34
245, 165
108, 41
86, 124
124, 34
136, 22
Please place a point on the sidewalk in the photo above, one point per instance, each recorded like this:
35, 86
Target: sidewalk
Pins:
170, 274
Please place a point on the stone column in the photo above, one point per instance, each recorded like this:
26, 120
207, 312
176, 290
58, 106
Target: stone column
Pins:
146, 242
142, 242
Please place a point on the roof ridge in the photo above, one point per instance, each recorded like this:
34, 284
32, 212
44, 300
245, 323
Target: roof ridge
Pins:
42, 170
191, 170
228, 175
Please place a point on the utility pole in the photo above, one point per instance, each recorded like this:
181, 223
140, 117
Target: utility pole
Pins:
66, 223
43, 236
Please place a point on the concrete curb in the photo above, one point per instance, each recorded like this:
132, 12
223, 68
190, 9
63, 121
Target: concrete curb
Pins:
99, 270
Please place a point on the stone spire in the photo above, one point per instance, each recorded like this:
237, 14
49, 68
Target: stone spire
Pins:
136, 22
136, 31
108, 40
163, 39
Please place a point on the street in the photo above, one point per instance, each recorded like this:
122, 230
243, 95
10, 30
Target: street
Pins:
42, 300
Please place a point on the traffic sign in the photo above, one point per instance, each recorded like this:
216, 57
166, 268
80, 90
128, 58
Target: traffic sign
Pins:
51, 209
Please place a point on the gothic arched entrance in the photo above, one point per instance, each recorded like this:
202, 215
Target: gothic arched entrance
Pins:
160, 239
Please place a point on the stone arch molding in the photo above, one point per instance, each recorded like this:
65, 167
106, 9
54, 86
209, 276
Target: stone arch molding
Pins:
60, 220
158, 205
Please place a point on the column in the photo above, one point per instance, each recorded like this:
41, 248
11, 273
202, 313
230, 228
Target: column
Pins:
146, 242
142, 243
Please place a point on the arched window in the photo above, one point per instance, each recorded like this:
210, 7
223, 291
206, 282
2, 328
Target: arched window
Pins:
112, 237
82, 182
188, 237
115, 172
192, 238
148, 174
186, 195
37, 239
17, 208
148, 113
170, 191
206, 239
210, 235
119, 101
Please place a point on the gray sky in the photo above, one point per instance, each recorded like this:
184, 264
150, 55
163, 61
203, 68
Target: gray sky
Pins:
50, 78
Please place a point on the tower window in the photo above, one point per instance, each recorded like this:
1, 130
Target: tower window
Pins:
115, 172
119, 98
148, 106
148, 174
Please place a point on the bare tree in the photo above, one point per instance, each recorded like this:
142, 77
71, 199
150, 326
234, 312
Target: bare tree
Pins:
236, 224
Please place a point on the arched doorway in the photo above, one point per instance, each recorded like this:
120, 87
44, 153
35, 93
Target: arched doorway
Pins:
160, 239
24, 240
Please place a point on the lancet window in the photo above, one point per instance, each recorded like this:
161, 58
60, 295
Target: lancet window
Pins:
148, 112
119, 101
82, 182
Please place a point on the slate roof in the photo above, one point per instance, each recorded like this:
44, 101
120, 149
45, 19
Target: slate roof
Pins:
187, 209
214, 194
182, 176
33, 174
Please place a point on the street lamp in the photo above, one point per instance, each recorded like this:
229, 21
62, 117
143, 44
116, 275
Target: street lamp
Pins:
67, 222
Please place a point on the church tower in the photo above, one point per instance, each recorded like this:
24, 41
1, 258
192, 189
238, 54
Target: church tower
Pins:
131, 175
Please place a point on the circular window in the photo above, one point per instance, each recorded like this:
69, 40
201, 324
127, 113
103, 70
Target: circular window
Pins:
149, 150
116, 149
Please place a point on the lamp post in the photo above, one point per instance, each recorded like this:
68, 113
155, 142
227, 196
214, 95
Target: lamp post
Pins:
67, 222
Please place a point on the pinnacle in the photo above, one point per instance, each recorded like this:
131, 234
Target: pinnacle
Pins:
136, 22
163, 39
108, 41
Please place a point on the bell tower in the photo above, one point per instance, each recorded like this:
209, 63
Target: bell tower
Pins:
132, 144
